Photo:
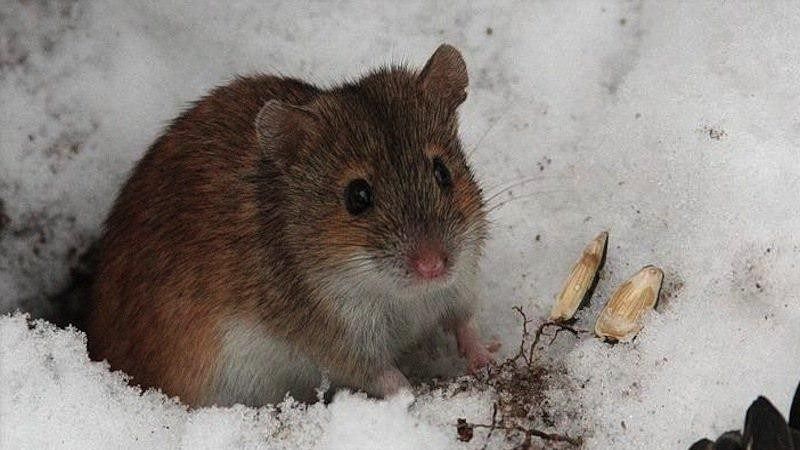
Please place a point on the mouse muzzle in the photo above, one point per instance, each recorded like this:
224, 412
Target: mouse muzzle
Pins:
429, 261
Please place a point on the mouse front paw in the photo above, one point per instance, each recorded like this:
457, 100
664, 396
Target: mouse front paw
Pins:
478, 360
471, 347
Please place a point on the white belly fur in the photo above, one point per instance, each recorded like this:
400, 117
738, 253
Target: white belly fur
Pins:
255, 369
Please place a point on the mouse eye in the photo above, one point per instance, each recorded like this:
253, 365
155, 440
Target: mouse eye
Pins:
358, 196
441, 173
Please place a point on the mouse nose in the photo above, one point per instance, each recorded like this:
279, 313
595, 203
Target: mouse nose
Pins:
429, 262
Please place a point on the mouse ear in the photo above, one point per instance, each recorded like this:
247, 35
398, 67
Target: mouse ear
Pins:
282, 128
445, 76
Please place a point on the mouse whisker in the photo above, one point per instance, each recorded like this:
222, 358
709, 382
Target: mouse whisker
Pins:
502, 203
517, 183
356, 262
485, 134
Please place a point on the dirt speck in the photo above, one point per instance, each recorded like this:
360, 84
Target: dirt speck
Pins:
489, 31
544, 163
715, 134
750, 275
465, 431
67, 145
672, 286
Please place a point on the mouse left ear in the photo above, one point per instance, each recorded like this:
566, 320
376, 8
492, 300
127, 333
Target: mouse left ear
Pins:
282, 128
445, 76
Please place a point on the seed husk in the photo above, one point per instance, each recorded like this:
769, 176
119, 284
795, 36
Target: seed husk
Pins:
622, 317
581, 280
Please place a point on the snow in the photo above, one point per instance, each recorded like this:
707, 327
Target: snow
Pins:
674, 125
54, 396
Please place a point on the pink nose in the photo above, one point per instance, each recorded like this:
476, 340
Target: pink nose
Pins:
429, 263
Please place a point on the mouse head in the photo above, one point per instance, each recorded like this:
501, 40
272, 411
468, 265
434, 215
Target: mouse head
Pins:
378, 191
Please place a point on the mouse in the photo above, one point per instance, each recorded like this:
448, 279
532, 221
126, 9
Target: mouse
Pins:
278, 234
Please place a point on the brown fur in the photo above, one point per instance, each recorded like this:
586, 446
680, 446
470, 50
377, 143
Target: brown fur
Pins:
218, 222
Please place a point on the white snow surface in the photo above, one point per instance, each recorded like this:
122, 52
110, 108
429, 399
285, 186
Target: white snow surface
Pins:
674, 125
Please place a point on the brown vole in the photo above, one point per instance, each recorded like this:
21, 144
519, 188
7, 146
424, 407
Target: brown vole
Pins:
278, 232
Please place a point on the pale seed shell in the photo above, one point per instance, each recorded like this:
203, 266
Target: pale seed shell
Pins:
581, 278
622, 317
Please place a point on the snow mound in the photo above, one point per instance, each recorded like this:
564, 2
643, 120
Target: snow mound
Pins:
53, 396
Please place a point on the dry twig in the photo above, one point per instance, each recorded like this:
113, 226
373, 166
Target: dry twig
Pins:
514, 384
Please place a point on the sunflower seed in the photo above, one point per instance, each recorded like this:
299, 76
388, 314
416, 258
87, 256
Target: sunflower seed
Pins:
622, 317
581, 279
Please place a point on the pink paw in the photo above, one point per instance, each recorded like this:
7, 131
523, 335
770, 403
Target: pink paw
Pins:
472, 347
494, 345
479, 360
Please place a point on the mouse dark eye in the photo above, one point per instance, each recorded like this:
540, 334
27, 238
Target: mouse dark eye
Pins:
358, 196
441, 173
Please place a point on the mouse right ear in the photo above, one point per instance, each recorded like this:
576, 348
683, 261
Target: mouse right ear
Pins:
445, 76
281, 129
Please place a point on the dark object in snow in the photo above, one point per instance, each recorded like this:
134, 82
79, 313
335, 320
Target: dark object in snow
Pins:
278, 230
465, 430
794, 412
702, 444
730, 440
764, 429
